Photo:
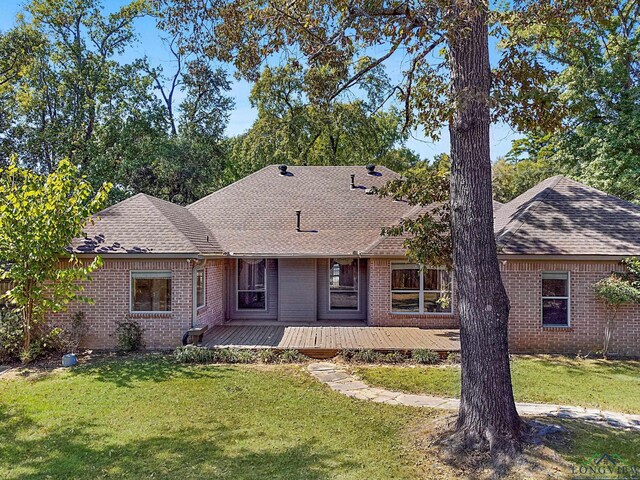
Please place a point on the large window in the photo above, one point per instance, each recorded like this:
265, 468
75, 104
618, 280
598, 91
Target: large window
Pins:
555, 299
252, 284
416, 290
343, 283
200, 289
151, 292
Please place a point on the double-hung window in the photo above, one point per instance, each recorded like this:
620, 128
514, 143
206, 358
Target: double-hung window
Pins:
252, 284
200, 289
151, 292
343, 283
555, 299
420, 290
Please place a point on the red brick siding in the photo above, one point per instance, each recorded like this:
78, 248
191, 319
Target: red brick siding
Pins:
213, 313
380, 303
110, 290
523, 281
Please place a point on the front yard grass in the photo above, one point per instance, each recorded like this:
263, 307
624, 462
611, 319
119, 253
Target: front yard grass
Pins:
158, 419
605, 384
153, 418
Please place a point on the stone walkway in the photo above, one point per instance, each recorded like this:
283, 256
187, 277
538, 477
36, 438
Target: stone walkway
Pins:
338, 379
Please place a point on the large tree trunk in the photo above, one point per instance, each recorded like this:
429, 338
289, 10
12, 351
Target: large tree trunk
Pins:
488, 415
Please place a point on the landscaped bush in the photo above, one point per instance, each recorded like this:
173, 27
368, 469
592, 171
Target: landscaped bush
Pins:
194, 354
425, 356
129, 334
11, 334
453, 358
291, 356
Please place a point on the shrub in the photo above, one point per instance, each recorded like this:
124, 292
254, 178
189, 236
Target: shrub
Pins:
76, 333
425, 356
243, 356
291, 356
453, 358
392, 357
365, 356
268, 355
11, 333
194, 354
129, 334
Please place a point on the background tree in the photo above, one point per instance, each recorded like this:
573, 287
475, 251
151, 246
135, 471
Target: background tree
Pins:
591, 50
446, 78
39, 217
292, 130
73, 97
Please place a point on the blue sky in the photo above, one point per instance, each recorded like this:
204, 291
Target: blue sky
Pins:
150, 45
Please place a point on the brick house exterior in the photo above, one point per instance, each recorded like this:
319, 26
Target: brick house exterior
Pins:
195, 262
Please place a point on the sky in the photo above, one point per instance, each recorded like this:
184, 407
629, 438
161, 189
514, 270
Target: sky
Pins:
150, 45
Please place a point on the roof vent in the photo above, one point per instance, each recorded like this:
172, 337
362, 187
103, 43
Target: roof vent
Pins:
371, 169
298, 229
283, 170
353, 181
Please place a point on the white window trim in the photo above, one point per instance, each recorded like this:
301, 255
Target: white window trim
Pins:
204, 287
147, 274
420, 291
567, 298
266, 281
347, 310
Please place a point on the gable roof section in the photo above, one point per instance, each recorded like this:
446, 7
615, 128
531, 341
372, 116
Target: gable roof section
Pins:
560, 216
256, 215
144, 224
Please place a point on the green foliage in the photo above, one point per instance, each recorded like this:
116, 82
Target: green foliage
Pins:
66, 92
195, 354
426, 234
592, 47
129, 335
512, 178
616, 291
39, 217
632, 274
74, 336
11, 333
425, 356
292, 130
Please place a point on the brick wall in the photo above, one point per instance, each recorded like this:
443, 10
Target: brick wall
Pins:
213, 313
110, 290
523, 281
380, 303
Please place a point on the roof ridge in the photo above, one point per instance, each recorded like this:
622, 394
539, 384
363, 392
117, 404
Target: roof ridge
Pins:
173, 225
535, 203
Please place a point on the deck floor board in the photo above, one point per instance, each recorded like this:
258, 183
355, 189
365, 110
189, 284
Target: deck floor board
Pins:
306, 337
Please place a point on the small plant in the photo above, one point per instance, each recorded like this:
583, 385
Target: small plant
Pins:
393, 357
365, 356
193, 354
129, 334
268, 355
11, 333
453, 358
425, 356
291, 356
615, 292
244, 356
78, 330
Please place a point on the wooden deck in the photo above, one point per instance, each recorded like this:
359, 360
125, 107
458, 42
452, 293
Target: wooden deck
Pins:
325, 341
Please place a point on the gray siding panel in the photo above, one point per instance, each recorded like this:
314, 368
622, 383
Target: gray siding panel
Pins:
297, 289
324, 313
271, 313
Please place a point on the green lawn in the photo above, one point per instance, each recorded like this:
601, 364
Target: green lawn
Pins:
135, 419
152, 418
606, 384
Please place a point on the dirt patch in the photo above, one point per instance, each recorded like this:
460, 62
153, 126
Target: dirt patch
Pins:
537, 461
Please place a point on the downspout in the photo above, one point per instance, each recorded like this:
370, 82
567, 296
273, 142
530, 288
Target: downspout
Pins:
195, 265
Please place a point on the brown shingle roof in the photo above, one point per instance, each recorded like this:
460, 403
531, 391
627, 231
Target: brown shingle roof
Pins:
560, 216
144, 224
256, 215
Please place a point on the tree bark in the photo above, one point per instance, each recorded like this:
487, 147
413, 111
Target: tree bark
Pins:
487, 416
